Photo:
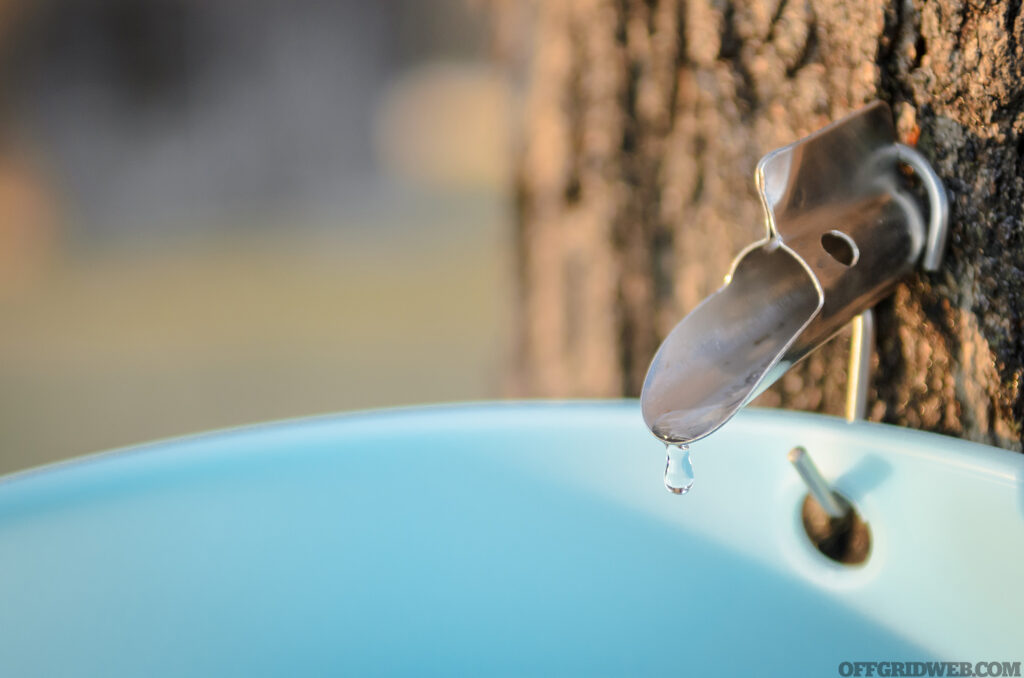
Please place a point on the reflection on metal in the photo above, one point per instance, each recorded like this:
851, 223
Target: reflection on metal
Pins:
858, 375
843, 227
938, 203
834, 505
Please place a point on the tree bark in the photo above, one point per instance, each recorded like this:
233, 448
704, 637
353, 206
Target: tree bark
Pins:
644, 121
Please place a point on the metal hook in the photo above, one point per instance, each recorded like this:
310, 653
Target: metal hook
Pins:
862, 340
938, 206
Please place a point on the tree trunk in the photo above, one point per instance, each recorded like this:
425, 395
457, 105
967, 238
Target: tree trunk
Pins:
644, 121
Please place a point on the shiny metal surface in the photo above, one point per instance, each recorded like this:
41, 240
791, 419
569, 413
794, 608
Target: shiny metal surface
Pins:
858, 374
938, 201
833, 504
842, 229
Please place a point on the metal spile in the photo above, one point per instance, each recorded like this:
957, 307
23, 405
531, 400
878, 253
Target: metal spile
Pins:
843, 227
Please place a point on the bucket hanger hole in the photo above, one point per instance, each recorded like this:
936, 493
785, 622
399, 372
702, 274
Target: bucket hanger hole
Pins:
845, 540
840, 247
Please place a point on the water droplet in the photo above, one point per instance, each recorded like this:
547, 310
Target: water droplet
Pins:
678, 469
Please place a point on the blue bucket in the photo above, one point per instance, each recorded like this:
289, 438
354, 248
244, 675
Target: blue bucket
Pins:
507, 539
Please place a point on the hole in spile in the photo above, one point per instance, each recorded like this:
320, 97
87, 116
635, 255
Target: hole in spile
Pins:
840, 247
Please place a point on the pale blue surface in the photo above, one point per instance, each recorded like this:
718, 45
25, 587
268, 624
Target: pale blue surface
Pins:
514, 539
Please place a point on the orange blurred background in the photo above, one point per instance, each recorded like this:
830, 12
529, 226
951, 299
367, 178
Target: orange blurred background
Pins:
214, 213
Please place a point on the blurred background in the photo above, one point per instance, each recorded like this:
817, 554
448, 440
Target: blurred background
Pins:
214, 213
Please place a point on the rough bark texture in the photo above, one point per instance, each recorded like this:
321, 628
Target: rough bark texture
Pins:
643, 124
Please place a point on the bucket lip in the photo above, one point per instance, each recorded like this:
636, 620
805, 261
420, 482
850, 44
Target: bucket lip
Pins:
998, 464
